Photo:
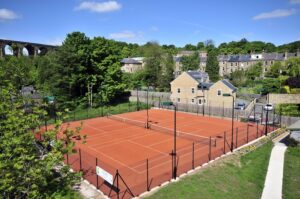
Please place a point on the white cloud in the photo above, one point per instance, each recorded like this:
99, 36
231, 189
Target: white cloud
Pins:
275, 14
55, 42
6, 14
123, 35
92, 6
295, 1
129, 36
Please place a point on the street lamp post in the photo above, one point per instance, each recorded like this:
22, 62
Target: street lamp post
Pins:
147, 124
267, 116
232, 118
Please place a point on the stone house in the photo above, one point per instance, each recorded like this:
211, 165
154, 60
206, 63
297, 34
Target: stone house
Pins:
131, 65
193, 87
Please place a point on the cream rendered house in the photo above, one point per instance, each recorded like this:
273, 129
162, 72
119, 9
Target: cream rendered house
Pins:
193, 87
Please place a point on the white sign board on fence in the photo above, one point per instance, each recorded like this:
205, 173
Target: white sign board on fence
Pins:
104, 174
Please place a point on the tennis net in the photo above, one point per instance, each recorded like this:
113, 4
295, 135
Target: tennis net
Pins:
189, 136
126, 120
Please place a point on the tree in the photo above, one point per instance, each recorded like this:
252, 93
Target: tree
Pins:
200, 46
166, 75
275, 70
238, 78
190, 62
27, 168
153, 64
190, 47
293, 66
254, 71
212, 64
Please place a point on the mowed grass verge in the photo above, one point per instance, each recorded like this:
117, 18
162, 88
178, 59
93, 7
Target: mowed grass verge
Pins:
236, 176
291, 176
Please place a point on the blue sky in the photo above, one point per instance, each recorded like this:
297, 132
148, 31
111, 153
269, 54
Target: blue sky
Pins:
164, 21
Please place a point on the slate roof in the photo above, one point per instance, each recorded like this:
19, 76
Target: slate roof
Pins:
229, 85
198, 76
204, 85
129, 61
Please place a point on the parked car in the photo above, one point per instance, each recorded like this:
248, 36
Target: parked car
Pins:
253, 119
240, 106
268, 107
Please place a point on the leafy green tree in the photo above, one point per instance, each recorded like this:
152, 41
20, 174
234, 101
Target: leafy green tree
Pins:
238, 78
27, 168
254, 71
19, 71
167, 72
200, 46
190, 47
212, 64
153, 64
190, 62
270, 85
293, 66
275, 70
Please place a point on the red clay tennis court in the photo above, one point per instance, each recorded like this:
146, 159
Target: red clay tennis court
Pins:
139, 158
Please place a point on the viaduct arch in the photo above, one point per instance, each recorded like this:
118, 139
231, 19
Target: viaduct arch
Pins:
33, 49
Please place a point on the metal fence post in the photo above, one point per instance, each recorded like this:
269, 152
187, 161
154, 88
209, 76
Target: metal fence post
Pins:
256, 129
209, 156
80, 163
148, 188
236, 140
224, 142
247, 133
193, 156
97, 183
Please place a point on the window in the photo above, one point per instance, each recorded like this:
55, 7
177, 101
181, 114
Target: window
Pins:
200, 101
236, 64
219, 93
231, 64
204, 101
178, 90
193, 90
178, 99
193, 100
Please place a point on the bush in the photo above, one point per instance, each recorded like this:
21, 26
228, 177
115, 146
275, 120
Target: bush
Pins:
293, 82
291, 142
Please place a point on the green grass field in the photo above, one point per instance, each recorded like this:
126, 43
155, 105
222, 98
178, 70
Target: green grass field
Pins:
235, 176
291, 176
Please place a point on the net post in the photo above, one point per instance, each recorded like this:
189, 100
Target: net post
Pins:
193, 156
247, 132
97, 180
273, 119
224, 142
147, 162
80, 163
118, 190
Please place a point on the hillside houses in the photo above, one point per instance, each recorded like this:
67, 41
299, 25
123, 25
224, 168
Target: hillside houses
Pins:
231, 63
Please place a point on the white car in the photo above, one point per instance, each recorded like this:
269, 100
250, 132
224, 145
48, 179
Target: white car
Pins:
268, 107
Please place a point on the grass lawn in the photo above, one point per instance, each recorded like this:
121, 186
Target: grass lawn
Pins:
291, 176
80, 113
235, 176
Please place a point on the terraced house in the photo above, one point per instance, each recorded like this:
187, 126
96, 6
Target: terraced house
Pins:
231, 63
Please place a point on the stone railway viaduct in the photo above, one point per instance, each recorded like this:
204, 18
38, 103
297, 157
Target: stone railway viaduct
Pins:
33, 49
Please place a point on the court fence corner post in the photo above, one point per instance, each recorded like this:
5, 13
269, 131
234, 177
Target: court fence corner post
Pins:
147, 166
224, 142
97, 180
193, 156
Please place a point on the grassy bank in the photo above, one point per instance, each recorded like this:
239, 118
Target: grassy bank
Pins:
291, 176
233, 177
85, 113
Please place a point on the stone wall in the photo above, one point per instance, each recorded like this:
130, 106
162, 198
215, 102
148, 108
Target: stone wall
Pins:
284, 98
